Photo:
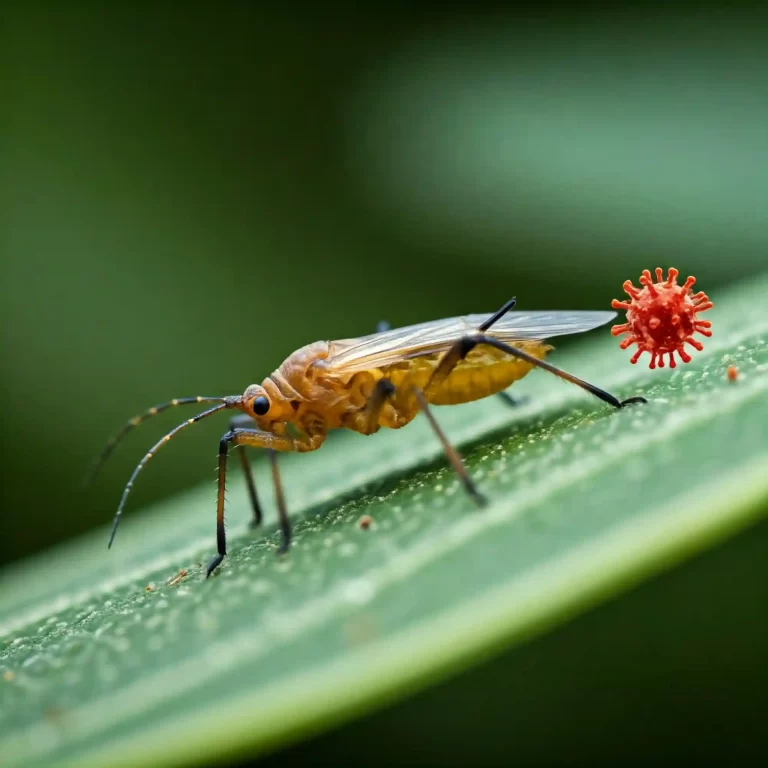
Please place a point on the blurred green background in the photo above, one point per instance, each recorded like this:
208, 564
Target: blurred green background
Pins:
190, 193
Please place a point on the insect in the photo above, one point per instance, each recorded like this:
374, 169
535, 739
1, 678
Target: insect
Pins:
363, 384
662, 317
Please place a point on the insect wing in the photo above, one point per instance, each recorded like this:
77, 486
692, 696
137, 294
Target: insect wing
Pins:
388, 347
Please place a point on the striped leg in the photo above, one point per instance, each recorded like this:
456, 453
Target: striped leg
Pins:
257, 439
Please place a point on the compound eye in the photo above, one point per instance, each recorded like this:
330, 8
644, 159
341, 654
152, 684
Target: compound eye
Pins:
260, 405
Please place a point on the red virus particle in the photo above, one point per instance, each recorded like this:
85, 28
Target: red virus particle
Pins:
733, 373
662, 317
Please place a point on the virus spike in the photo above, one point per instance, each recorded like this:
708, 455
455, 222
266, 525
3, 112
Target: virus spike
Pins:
662, 317
688, 284
630, 289
647, 281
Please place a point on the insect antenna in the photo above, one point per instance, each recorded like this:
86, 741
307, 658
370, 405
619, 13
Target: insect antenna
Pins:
228, 402
129, 426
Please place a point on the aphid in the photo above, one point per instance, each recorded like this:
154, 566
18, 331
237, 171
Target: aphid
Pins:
662, 317
381, 380
732, 373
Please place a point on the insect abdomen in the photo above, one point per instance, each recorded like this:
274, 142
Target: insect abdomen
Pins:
479, 377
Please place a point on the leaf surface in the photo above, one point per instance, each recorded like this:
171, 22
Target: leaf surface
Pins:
584, 502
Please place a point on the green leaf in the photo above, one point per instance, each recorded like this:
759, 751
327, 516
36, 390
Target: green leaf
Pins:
585, 502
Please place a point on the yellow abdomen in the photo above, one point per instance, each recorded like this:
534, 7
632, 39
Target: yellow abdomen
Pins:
485, 371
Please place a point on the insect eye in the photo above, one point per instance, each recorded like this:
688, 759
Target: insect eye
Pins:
260, 405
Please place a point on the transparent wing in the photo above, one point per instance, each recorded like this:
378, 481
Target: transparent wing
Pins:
380, 349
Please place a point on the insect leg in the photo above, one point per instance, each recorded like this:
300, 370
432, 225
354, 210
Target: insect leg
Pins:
496, 316
461, 349
452, 454
464, 346
221, 534
258, 439
282, 509
383, 390
512, 402
238, 422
